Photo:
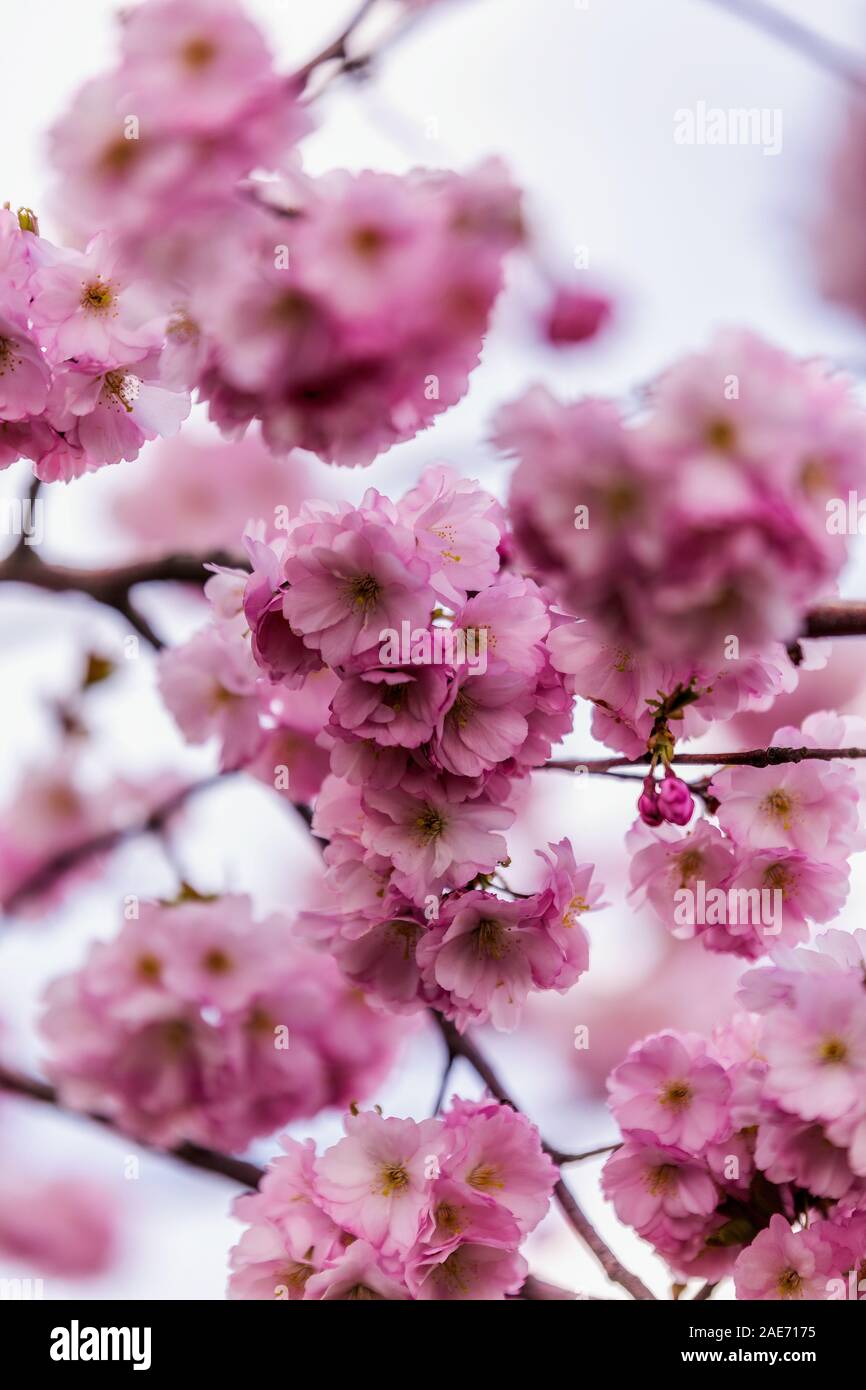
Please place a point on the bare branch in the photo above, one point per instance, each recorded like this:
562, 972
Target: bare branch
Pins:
195, 1155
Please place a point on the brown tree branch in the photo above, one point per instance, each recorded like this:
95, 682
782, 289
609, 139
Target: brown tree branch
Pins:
462, 1045
110, 587
841, 617
338, 49
195, 1155
47, 874
753, 757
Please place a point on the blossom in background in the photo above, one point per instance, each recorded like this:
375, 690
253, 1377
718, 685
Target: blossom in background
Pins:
64, 1226
705, 519
198, 1022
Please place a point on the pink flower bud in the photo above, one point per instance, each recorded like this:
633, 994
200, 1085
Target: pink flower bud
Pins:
648, 803
575, 316
675, 801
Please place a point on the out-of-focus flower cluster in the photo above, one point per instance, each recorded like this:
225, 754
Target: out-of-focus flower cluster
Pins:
397, 1210
778, 857
55, 810
691, 539
428, 650
746, 1153
197, 1022
351, 308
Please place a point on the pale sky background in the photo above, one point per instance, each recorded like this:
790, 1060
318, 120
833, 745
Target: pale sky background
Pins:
580, 102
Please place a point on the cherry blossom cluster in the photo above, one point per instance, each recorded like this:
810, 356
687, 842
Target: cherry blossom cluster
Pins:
197, 1022
778, 857
351, 307
746, 1153
429, 649
81, 379
434, 1210
695, 535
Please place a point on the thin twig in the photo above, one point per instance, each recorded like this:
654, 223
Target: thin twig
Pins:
560, 1159
753, 757
47, 874
825, 54
195, 1155
338, 49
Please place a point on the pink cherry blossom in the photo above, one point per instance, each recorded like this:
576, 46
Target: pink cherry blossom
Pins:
83, 310
436, 838
669, 1087
782, 1264
376, 1182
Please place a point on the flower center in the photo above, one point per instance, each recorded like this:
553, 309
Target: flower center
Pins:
123, 388
462, 710
149, 968
452, 1272
689, 863
574, 909
119, 155
778, 805
720, 434
833, 1051
198, 53
483, 1177
293, 1277
177, 1034
407, 934
430, 825
777, 877
364, 591
368, 242
360, 1293
182, 327
216, 962
97, 297
393, 1178
789, 1284
660, 1179
676, 1094
491, 939
447, 1219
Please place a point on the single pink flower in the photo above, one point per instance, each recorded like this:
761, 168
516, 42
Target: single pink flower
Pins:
669, 1087
376, 1182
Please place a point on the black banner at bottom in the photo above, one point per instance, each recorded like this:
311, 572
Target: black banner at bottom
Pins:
81, 1340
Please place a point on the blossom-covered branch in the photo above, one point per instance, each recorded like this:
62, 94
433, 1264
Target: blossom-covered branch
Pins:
753, 757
